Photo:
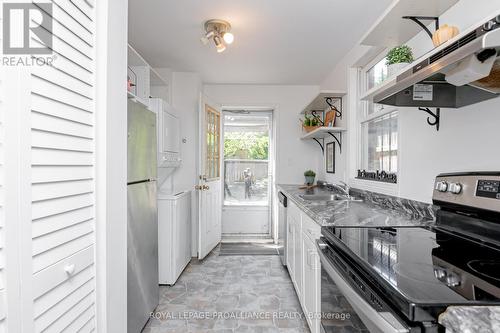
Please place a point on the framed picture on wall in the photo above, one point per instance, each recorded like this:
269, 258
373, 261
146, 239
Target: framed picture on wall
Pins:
330, 157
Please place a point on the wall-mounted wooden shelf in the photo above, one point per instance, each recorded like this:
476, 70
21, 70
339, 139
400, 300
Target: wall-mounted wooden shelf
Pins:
392, 30
322, 132
147, 81
136, 99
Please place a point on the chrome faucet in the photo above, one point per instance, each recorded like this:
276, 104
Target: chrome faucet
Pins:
343, 187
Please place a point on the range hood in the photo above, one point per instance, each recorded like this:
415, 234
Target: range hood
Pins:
462, 71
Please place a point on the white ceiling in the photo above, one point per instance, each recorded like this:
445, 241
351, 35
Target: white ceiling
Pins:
276, 41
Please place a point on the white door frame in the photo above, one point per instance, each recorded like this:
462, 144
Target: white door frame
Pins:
272, 166
111, 172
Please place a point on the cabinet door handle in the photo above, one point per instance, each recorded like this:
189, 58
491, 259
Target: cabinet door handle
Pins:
309, 260
69, 269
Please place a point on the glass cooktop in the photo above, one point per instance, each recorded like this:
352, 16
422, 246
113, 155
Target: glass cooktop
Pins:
418, 266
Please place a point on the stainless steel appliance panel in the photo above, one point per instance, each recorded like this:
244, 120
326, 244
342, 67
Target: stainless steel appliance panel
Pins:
141, 143
282, 225
365, 315
142, 239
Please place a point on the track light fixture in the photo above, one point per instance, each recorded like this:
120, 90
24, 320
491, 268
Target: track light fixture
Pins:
219, 32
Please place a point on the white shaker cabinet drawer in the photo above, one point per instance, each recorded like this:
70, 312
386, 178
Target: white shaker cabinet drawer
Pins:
310, 228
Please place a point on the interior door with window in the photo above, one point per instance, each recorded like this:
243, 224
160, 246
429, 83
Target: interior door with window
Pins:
209, 183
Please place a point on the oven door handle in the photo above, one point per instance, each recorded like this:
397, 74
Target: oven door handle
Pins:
379, 322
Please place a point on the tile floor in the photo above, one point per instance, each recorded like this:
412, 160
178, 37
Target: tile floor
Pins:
257, 289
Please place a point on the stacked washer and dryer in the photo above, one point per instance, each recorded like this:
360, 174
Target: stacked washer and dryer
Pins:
174, 207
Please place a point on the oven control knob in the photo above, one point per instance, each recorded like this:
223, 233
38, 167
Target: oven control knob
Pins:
442, 186
439, 273
488, 25
452, 280
455, 188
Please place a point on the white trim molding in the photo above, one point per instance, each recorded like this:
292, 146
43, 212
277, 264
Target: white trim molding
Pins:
111, 171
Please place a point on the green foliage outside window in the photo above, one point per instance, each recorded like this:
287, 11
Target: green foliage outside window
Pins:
246, 145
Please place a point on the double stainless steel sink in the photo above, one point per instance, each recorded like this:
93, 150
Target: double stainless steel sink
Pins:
320, 198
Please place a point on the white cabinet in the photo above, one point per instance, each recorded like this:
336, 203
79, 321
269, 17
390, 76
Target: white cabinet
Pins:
303, 263
174, 235
168, 126
311, 274
294, 246
290, 261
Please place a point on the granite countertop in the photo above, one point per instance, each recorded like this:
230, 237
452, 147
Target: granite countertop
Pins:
471, 319
376, 210
379, 210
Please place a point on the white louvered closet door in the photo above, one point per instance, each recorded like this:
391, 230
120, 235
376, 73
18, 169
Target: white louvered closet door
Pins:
62, 164
57, 236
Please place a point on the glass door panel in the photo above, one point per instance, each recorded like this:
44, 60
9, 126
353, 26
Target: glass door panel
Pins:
246, 159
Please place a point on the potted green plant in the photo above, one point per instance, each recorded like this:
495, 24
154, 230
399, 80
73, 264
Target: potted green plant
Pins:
307, 121
309, 174
398, 58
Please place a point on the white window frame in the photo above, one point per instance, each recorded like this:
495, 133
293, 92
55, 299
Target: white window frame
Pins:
361, 118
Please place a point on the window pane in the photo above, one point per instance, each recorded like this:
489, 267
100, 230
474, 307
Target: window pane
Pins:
380, 143
376, 74
246, 159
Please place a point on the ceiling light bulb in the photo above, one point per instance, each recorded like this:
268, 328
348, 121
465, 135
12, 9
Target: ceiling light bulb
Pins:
228, 37
205, 39
221, 48
219, 45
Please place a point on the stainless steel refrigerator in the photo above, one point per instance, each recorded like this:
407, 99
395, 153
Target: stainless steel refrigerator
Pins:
142, 220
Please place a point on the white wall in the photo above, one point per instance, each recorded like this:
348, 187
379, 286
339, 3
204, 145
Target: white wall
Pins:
293, 156
467, 137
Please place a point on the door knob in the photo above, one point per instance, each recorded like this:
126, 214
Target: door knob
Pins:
205, 187
198, 187
69, 269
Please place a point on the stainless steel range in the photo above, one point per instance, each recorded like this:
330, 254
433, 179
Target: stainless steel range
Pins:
401, 279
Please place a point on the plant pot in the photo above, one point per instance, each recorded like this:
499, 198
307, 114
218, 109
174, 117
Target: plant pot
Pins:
309, 180
309, 128
394, 69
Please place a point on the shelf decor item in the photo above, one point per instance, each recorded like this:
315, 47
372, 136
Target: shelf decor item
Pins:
444, 34
311, 122
398, 58
309, 174
330, 118
330, 157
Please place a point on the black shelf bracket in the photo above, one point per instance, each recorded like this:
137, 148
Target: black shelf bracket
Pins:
339, 140
322, 145
314, 113
418, 20
330, 102
436, 117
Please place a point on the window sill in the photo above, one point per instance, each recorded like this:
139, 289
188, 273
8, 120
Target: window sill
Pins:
375, 186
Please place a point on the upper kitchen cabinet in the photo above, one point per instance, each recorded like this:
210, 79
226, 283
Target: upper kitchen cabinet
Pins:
392, 30
143, 81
